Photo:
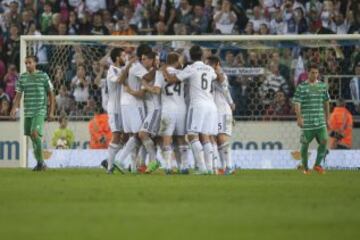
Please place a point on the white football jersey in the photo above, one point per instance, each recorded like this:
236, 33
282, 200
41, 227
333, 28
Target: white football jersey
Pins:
136, 73
200, 77
222, 96
152, 101
172, 95
114, 89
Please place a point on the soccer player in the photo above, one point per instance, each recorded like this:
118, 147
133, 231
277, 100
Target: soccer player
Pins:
311, 101
132, 106
37, 89
202, 112
173, 114
114, 84
225, 106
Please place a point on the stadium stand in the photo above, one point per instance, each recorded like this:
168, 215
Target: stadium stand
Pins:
260, 97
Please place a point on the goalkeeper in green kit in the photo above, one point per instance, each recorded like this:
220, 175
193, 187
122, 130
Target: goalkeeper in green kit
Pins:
37, 89
311, 102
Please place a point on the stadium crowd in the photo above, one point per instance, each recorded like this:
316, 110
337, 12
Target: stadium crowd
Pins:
264, 96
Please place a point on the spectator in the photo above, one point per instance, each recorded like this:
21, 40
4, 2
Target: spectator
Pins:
80, 84
27, 20
3, 95
273, 83
225, 18
5, 108
46, 18
63, 137
257, 19
355, 87
98, 27
63, 101
277, 25
199, 23
341, 124
160, 28
184, 13
279, 107
90, 107
264, 30
12, 46
55, 22
301, 24
13, 15
10, 81
340, 25
95, 6
74, 26
100, 133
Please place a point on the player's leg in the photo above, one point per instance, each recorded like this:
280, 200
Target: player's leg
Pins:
115, 123
217, 164
183, 149
223, 141
194, 122
208, 152
36, 129
306, 137
322, 139
167, 152
148, 129
132, 121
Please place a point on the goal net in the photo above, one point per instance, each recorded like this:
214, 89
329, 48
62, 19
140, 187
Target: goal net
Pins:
263, 72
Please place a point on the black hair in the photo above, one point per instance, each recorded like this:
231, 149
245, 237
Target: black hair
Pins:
142, 49
115, 53
33, 57
196, 53
213, 60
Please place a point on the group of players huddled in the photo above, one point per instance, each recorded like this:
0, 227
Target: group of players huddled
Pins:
173, 107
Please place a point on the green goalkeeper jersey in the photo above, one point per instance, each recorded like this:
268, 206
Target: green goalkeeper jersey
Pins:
35, 87
311, 98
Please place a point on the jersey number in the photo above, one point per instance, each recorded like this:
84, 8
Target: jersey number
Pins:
176, 88
205, 84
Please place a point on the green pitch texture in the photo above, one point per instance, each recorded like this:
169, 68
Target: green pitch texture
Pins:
88, 204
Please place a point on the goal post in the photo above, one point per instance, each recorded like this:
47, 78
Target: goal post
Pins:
94, 50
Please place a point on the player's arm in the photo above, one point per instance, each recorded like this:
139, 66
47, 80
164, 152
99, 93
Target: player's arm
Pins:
97, 80
16, 104
327, 111
51, 96
139, 94
125, 73
297, 107
149, 88
170, 78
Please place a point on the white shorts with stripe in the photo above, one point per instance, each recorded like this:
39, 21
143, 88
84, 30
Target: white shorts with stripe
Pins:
151, 123
133, 117
202, 118
173, 123
115, 122
225, 123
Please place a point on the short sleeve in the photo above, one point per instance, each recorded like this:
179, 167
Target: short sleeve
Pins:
140, 72
20, 85
184, 74
48, 85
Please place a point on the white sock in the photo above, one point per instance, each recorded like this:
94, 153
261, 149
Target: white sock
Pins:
131, 144
113, 149
225, 155
198, 152
142, 156
177, 156
150, 148
217, 162
209, 156
167, 153
183, 149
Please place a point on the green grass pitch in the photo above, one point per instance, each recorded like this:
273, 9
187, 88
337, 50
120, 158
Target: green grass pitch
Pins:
88, 204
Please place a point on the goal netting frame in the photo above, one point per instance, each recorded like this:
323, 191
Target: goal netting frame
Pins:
25, 40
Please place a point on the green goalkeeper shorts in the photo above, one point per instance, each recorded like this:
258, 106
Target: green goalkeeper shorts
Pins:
319, 134
32, 124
